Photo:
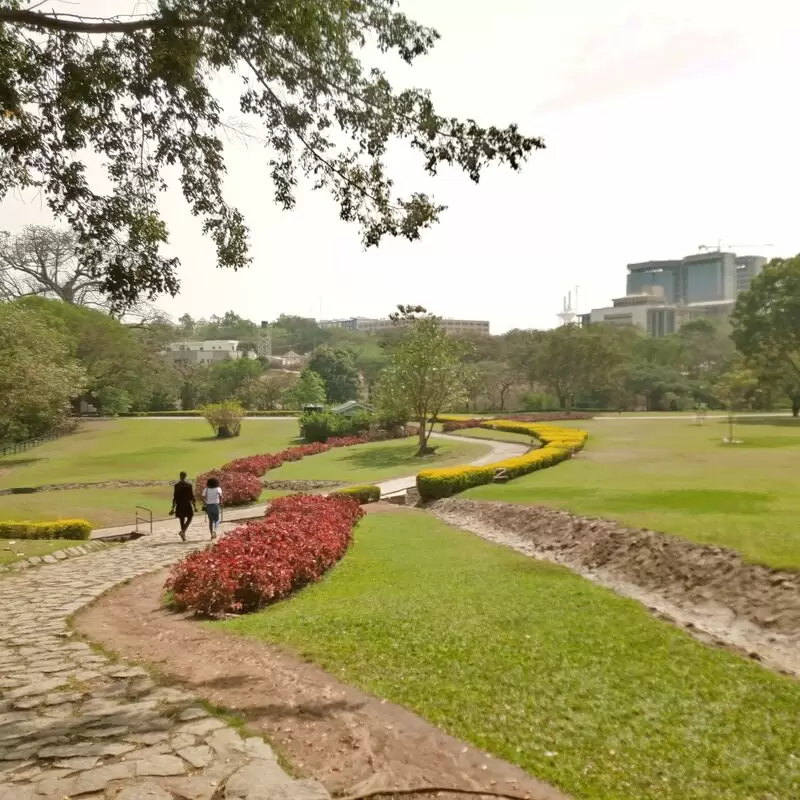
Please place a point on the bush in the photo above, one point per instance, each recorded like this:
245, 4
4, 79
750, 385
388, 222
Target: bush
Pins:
364, 494
75, 529
460, 424
296, 542
319, 426
238, 488
224, 418
559, 444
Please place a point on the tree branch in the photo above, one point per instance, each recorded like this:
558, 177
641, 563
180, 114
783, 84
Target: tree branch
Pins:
39, 21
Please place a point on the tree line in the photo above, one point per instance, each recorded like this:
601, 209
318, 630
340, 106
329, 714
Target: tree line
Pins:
59, 356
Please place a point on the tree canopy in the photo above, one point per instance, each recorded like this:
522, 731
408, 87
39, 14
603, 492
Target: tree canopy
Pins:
766, 326
425, 375
38, 373
138, 92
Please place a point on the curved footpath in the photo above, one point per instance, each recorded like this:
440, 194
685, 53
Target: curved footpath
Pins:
75, 723
497, 452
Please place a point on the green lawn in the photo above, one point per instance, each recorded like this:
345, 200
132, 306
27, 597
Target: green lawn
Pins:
141, 448
12, 550
541, 667
102, 507
679, 478
498, 436
376, 462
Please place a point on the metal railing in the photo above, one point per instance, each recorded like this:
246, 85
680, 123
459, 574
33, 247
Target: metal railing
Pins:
140, 518
20, 447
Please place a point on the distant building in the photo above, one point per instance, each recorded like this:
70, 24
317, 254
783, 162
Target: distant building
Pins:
664, 295
371, 325
208, 352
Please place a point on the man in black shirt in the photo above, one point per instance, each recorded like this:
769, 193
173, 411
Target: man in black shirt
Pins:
183, 504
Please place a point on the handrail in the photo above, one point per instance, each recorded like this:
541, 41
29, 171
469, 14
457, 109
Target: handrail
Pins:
148, 518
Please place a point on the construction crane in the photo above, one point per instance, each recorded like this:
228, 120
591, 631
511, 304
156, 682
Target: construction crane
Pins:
705, 248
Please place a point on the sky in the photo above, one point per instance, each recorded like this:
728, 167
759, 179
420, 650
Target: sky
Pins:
668, 126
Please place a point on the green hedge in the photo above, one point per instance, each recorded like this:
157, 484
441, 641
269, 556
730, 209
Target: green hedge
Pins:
364, 494
197, 413
62, 529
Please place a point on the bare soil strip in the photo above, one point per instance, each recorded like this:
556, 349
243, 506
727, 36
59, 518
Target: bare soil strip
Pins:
710, 591
348, 740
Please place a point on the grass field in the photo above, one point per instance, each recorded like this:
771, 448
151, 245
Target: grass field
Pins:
102, 507
679, 478
377, 462
141, 448
497, 436
541, 667
12, 550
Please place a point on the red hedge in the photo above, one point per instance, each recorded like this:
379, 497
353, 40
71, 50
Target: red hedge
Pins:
462, 424
298, 540
238, 488
259, 465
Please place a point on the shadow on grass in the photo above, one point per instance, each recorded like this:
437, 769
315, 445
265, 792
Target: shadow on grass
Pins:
18, 462
771, 422
694, 501
765, 442
386, 457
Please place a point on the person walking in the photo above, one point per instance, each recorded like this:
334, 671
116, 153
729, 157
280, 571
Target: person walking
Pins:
212, 500
183, 504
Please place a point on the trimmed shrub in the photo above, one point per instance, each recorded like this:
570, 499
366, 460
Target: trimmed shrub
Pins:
319, 426
296, 542
364, 494
224, 418
74, 529
238, 488
461, 424
558, 443
194, 412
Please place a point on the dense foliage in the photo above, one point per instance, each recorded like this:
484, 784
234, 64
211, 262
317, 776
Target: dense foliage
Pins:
425, 375
238, 488
320, 426
766, 328
75, 529
298, 540
224, 418
363, 494
139, 94
38, 374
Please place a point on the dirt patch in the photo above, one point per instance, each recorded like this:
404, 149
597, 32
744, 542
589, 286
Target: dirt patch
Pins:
324, 729
710, 591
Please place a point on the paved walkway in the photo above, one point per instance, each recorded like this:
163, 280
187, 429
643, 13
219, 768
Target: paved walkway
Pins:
75, 724
497, 452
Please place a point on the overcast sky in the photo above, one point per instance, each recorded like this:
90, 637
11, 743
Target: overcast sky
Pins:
666, 128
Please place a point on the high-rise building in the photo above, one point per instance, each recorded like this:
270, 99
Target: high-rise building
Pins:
663, 295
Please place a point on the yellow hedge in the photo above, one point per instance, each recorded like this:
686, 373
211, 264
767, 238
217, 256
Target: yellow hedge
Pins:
60, 529
558, 444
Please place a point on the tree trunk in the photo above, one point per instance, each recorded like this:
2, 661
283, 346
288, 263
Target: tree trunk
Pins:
424, 434
795, 405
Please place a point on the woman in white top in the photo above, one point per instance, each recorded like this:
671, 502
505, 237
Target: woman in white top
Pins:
212, 499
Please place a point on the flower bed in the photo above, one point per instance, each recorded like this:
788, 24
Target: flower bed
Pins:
296, 542
559, 444
238, 488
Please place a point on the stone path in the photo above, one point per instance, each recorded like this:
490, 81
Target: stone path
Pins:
76, 724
